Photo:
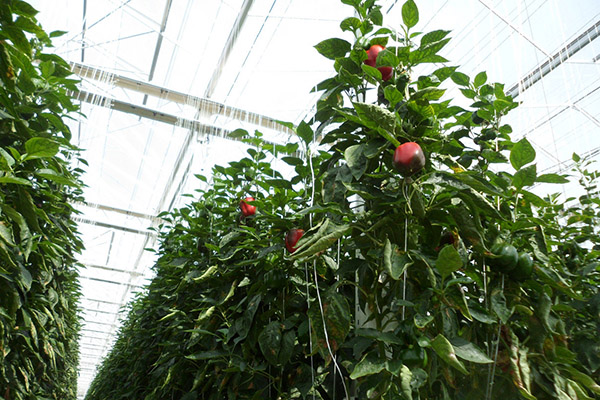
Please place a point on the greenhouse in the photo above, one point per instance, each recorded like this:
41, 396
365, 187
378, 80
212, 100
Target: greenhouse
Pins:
299, 199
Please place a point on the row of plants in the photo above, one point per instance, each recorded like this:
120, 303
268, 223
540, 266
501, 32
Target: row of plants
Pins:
407, 257
39, 323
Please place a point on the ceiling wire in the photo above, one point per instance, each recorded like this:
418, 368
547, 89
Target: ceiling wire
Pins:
498, 28
543, 86
263, 53
529, 39
84, 21
203, 52
249, 52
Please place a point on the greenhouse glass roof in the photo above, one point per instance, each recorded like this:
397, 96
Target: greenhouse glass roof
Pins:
163, 82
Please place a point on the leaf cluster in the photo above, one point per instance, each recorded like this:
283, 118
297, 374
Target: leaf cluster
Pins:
39, 323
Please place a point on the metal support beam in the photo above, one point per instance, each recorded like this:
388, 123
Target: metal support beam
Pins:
233, 35
205, 107
105, 268
514, 28
113, 226
149, 113
159, 40
555, 60
89, 278
114, 303
116, 210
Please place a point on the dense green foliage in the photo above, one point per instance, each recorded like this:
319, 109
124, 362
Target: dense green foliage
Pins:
391, 293
38, 289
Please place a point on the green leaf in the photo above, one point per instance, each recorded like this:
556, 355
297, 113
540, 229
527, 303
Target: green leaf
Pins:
376, 16
56, 177
395, 261
305, 132
421, 321
428, 52
5, 115
468, 93
410, 14
448, 261
54, 34
467, 225
6, 233
406, 378
335, 312
16, 35
482, 316
469, 351
460, 79
333, 48
39, 147
356, 159
334, 184
444, 73
269, 342
206, 355
387, 58
10, 161
433, 36
386, 337
350, 24
584, 379
245, 323
14, 179
552, 178
499, 305
521, 154
238, 133
445, 350
287, 347
327, 234
374, 116
371, 71
480, 79
378, 118
525, 177
543, 309
24, 233
22, 8
26, 279
393, 95
367, 366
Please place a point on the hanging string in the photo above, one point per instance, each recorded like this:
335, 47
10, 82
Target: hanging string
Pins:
310, 343
310, 221
492, 370
337, 367
405, 272
490, 384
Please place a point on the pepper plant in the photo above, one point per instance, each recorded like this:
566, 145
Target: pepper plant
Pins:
39, 323
451, 280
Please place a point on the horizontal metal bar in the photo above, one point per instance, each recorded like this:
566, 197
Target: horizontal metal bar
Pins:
101, 301
204, 106
105, 268
154, 115
117, 210
113, 226
103, 311
95, 331
109, 281
555, 60
100, 323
